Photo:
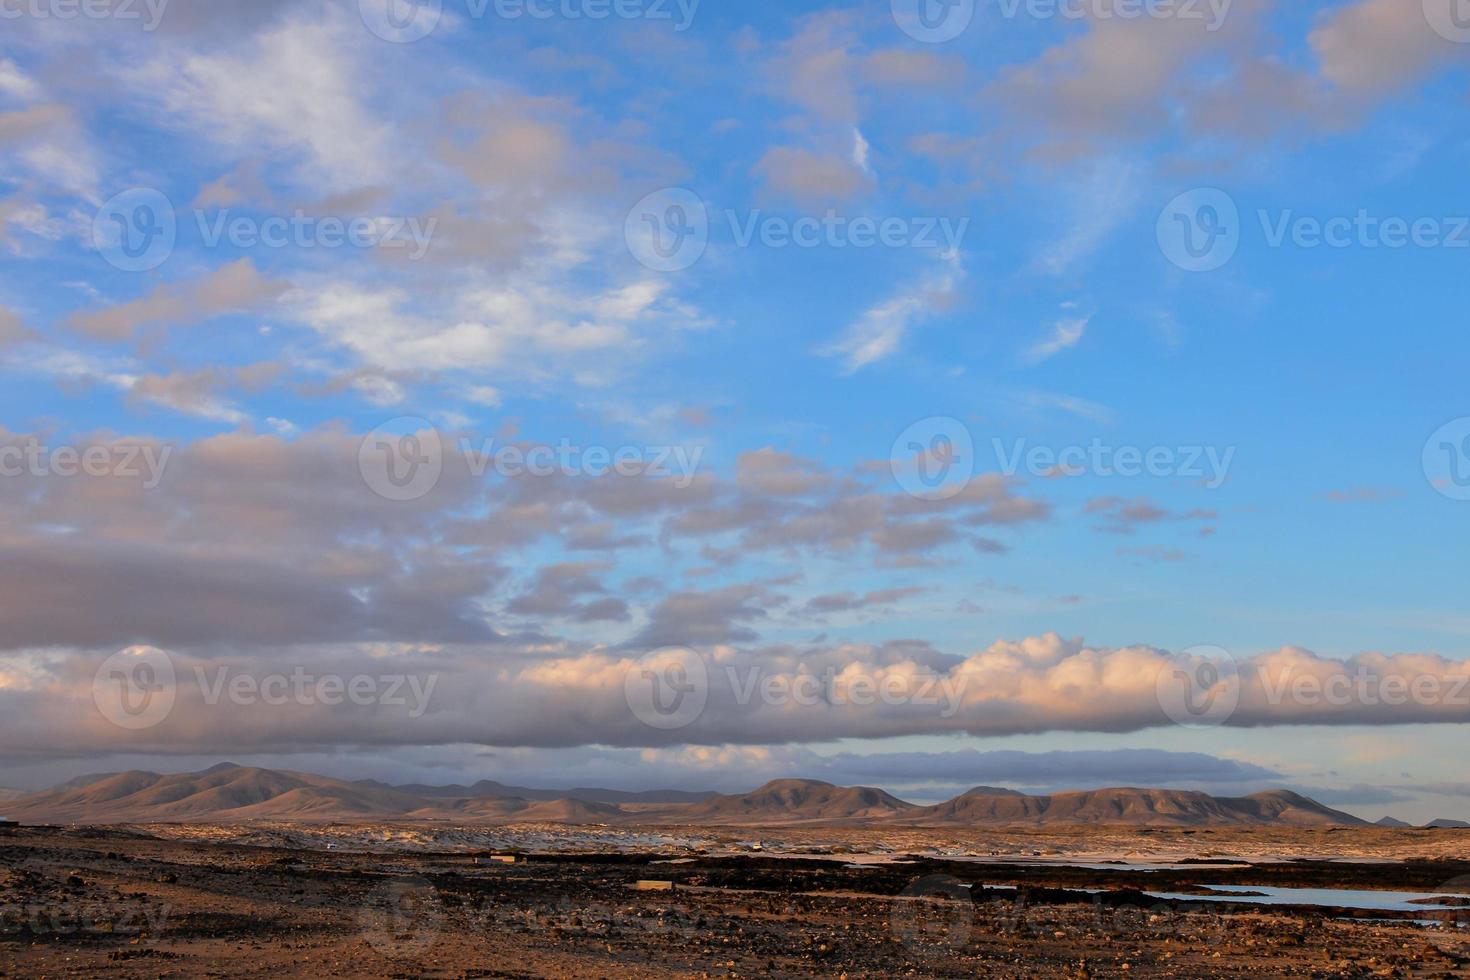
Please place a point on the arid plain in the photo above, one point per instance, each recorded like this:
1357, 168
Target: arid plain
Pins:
795, 878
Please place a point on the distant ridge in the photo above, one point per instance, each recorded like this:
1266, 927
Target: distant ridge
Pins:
985, 806
788, 801
1445, 824
1393, 822
237, 794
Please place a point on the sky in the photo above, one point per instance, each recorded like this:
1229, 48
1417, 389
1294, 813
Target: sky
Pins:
668, 393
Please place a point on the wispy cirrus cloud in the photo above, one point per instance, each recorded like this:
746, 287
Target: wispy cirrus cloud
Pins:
880, 331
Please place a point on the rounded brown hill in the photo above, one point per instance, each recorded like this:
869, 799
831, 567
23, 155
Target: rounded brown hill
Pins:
787, 801
985, 806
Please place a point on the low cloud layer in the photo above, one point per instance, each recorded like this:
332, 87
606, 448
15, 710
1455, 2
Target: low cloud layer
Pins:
551, 694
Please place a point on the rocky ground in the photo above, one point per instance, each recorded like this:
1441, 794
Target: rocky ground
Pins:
78, 902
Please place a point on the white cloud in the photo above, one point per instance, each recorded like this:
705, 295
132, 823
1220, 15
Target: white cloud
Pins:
296, 88
1372, 47
15, 83
506, 696
1065, 334
880, 331
1090, 208
483, 395
523, 328
860, 149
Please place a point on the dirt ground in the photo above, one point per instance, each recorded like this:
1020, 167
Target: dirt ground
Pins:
87, 901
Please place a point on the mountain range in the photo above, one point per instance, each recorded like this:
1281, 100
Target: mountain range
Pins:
228, 793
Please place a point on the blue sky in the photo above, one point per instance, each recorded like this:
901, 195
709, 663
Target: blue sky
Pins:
1057, 316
